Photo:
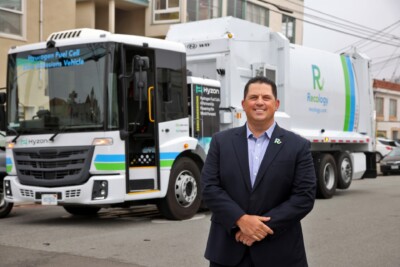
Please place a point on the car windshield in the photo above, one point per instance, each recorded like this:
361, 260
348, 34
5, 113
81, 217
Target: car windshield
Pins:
59, 88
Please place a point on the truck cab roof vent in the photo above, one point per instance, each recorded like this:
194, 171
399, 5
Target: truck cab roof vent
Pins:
77, 33
65, 35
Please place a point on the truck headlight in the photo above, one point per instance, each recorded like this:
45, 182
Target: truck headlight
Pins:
102, 142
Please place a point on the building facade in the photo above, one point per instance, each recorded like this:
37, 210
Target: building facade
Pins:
387, 107
30, 21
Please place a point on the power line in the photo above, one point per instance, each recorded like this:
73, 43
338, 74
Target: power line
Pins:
385, 38
340, 31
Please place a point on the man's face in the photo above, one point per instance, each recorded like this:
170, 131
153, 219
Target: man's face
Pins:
260, 104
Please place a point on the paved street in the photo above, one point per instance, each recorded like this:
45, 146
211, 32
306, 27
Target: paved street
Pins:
358, 227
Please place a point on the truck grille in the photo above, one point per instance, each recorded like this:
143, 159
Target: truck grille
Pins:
56, 166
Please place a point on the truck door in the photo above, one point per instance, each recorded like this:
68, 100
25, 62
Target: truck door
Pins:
141, 142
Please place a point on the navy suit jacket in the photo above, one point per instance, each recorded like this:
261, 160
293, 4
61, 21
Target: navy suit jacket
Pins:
284, 190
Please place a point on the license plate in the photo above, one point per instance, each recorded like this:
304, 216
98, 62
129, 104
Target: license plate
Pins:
395, 167
49, 199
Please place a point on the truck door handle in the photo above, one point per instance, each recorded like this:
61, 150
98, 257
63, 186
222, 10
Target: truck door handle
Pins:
149, 102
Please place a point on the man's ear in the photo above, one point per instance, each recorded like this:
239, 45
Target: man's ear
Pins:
278, 103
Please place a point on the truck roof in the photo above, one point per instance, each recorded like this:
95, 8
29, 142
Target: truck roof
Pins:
216, 29
80, 36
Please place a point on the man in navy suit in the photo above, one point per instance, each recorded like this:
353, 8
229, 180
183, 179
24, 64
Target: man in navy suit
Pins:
259, 182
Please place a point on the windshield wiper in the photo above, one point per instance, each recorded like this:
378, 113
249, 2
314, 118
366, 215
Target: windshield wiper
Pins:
60, 130
17, 134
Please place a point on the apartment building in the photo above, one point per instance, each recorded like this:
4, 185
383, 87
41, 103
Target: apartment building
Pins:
387, 107
29, 21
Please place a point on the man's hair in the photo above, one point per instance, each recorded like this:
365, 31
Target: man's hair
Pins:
260, 79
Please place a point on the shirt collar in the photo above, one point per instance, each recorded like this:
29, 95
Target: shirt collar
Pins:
268, 132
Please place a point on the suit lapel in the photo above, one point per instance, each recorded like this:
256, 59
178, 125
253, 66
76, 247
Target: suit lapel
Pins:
240, 146
276, 143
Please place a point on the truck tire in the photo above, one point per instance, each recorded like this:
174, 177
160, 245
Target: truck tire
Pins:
326, 172
82, 210
5, 207
183, 197
344, 170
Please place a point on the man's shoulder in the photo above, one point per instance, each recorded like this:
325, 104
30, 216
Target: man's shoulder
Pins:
224, 134
292, 135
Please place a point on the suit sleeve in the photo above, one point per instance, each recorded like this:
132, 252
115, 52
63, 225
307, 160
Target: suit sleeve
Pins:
225, 210
302, 196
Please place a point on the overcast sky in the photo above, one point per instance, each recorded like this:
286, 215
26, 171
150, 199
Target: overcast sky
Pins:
362, 13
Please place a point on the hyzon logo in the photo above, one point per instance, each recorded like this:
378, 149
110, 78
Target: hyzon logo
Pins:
316, 78
199, 89
25, 142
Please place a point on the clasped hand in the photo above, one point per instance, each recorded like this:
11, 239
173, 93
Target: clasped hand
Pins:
252, 229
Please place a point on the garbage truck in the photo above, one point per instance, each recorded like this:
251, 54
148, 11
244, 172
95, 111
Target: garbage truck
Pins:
98, 120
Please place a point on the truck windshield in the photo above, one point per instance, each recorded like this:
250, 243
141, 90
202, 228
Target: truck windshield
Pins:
60, 88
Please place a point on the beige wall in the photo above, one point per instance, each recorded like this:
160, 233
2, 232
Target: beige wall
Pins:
102, 18
130, 22
59, 15
85, 15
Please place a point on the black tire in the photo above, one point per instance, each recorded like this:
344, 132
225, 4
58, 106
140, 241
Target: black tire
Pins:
326, 172
82, 210
5, 207
183, 197
378, 157
344, 170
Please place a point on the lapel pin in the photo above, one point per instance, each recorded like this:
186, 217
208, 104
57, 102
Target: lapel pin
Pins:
277, 141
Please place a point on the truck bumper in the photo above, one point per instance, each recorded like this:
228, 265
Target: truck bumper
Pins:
77, 194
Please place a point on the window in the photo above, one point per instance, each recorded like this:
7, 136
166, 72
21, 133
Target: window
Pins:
11, 15
392, 109
243, 9
289, 27
379, 107
166, 11
203, 9
381, 134
236, 8
171, 70
257, 14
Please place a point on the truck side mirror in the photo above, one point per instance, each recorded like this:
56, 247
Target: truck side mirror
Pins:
141, 63
3, 100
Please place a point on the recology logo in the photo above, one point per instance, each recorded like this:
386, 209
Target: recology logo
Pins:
319, 84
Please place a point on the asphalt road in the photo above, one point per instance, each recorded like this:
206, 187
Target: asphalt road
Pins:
358, 227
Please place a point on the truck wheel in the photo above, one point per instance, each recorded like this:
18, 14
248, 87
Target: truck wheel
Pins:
345, 170
5, 207
82, 210
183, 196
326, 172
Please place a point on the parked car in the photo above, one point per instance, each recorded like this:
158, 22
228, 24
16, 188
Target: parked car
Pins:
5, 207
383, 147
391, 162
